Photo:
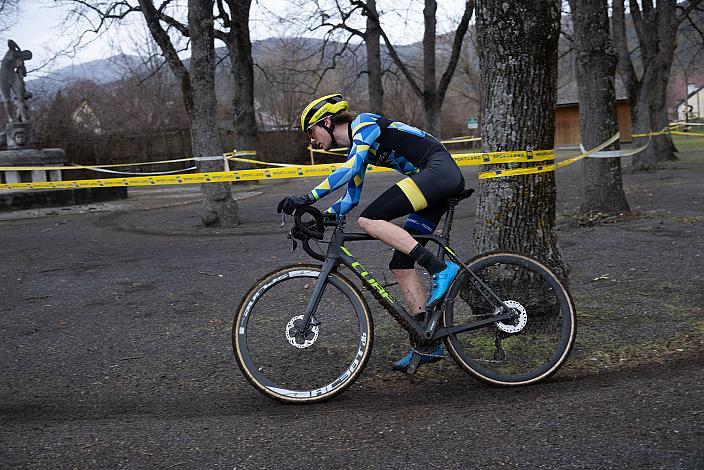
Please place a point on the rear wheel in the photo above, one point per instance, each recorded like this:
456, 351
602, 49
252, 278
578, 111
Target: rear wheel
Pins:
525, 350
293, 365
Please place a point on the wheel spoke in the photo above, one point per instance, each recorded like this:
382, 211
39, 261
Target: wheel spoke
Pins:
526, 349
291, 364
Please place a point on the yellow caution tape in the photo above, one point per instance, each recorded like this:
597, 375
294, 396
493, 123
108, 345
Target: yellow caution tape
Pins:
247, 160
300, 171
229, 155
671, 129
87, 167
695, 134
648, 134
235, 153
545, 168
337, 151
193, 178
343, 150
458, 140
489, 158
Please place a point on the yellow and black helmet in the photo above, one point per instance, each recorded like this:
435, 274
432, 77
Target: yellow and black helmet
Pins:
322, 107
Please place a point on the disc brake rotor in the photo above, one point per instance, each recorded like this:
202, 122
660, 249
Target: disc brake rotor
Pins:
520, 321
298, 339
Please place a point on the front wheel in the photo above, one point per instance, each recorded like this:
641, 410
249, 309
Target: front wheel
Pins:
291, 365
525, 350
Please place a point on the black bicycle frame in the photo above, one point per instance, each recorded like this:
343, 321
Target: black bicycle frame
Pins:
337, 254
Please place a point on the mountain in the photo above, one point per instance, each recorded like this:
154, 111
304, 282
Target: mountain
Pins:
113, 69
101, 71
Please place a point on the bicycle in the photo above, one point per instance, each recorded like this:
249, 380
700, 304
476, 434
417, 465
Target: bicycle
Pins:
303, 333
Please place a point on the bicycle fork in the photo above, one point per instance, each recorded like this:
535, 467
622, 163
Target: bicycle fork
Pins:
309, 318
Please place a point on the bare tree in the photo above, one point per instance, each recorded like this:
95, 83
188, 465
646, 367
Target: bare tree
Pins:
234, 15
656, 28
517, 46
198, 88
342, 18
689, 55
372, 40
431, 92
196, 83
8, 13
289, 71
595, 66
466, 82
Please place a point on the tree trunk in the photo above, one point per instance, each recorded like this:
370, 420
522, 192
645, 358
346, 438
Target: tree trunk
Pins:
656, 29
239, 46
595, 66
218, 207
517, 44
667, 42
430, 89
664, 146
372, 42
198, 90
640, 122
431, 95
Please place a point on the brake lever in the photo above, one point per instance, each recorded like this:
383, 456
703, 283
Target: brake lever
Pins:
294, 243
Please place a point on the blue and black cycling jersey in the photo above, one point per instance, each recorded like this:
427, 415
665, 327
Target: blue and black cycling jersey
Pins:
378, 141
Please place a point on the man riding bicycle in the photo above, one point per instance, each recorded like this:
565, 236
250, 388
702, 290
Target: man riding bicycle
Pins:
433, 177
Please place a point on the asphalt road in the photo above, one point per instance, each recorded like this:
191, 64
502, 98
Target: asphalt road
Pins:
115, 346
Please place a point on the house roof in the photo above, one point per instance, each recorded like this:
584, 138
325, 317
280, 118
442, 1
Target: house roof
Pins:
567, 94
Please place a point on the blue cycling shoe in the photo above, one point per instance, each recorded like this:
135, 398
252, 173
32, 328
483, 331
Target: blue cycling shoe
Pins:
437, 355
441, 281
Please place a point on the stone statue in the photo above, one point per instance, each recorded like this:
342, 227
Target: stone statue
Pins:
12, 73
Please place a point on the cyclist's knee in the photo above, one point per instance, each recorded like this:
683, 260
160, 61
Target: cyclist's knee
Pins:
366, 224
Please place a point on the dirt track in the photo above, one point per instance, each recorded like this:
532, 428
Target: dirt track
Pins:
115, 339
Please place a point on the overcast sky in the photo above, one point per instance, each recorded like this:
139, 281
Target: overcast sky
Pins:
40, 28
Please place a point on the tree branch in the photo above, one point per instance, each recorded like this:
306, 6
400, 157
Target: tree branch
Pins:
456, 48
685, 11
392, 51
625, 65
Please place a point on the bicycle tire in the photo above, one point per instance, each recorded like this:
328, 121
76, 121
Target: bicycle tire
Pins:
263, 348
548, 334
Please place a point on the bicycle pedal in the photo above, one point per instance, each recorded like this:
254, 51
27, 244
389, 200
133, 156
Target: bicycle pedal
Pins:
413, 364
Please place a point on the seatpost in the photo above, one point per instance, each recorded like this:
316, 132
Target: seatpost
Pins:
447, 226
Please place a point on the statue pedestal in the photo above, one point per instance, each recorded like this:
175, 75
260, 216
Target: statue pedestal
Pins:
18, 147
31, 157
33, 198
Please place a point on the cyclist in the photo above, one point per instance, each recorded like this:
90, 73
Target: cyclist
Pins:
433, 177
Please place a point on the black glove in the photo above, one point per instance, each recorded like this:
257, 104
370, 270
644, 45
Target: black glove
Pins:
291, 203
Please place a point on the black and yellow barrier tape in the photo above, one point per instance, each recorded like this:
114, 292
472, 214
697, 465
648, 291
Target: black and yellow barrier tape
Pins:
502, 173
672, 130
89, 167
287, 172
73, 166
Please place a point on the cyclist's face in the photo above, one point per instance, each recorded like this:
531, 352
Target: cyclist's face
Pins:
319, 137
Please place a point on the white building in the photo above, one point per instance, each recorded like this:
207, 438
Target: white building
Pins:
693, 106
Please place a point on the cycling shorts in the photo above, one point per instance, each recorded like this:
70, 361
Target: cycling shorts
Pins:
422, 197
